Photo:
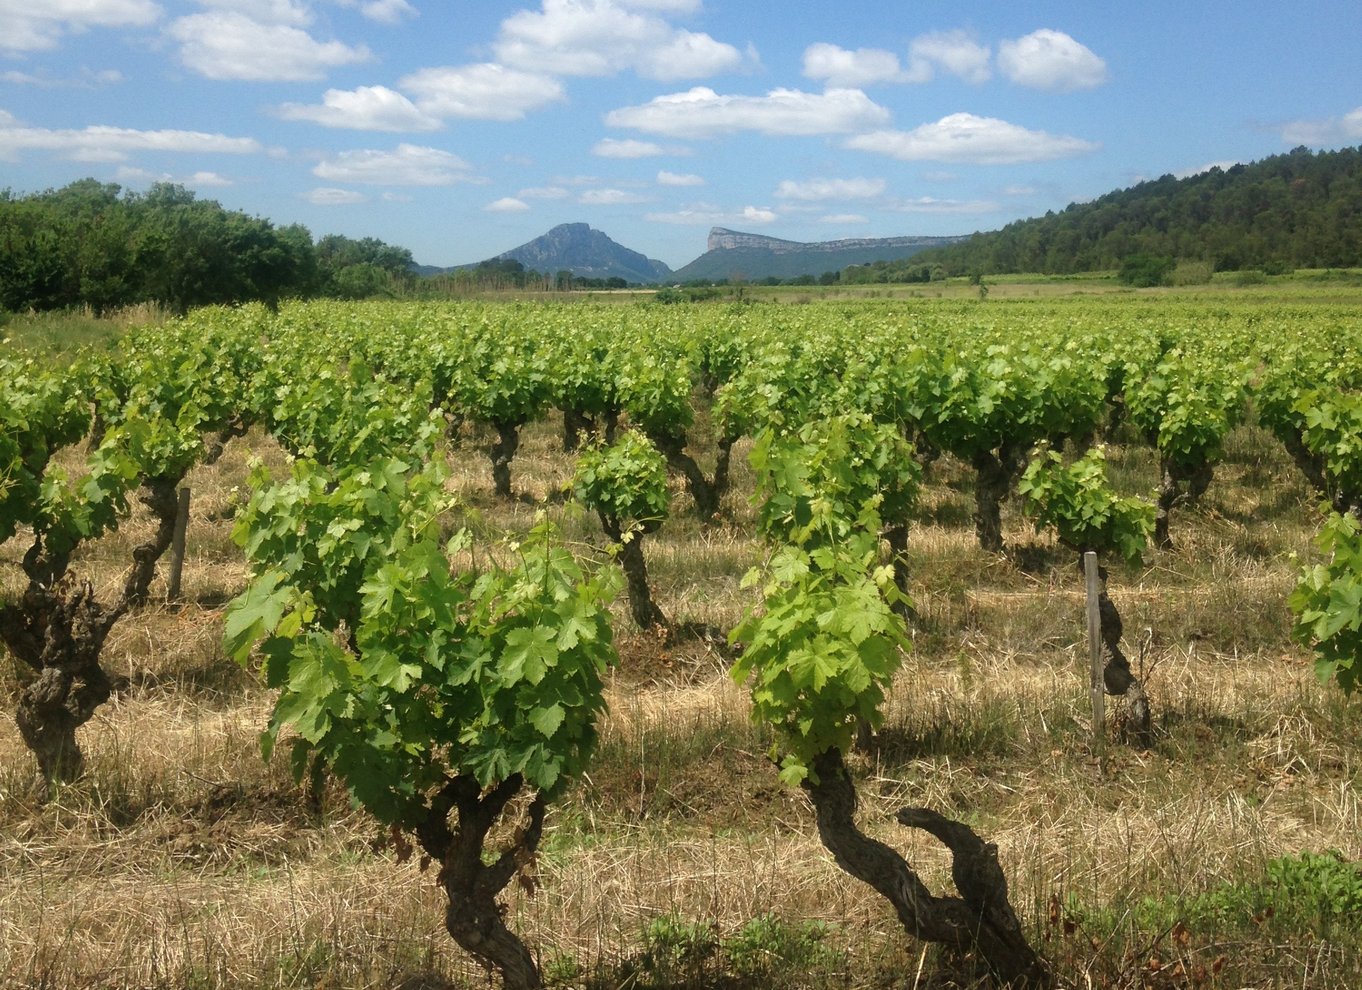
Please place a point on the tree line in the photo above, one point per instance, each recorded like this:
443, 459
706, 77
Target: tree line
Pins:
95, 244
1296, 210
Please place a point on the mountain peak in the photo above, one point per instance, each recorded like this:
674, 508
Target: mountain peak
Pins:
588, 253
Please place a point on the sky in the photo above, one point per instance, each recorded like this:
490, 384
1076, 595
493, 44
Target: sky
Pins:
464, 128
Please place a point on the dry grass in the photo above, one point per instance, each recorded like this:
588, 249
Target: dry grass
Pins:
183, 861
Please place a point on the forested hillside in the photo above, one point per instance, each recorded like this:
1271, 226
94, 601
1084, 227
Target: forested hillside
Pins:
1297, 210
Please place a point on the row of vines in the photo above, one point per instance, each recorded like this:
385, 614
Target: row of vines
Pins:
450, 684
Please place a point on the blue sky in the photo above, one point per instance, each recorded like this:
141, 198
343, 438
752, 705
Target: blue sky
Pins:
463, 129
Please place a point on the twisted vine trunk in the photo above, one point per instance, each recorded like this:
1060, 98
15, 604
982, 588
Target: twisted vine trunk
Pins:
160, 495
1178, 485
58, 631
706, 494
501, 453
994, 477
979, 923
1117, 677
473, 917
642, 608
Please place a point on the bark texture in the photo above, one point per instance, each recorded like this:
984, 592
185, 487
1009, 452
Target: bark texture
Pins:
502, 452
642, 608
979, 924
473, 917
1117, 677
706, 494
995, 473
1177, 486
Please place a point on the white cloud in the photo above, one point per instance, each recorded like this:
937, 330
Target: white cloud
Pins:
369, 108
1051, 60
483, 91
100, 143
86, 79
602, 37
954, 52
507, 204
406, 165
27, 26
932, 205
382, 11
1327, 132
232, 45
326, 196
544, 192
610, 197
665, 178
843, 218
964, 137
615, 148
701, 113
708, 215
820, 189
838, 67
295, 12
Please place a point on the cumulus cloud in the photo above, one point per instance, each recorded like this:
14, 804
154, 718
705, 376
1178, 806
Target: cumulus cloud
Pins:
406, 165
602, 37
708, 215
843, 218
1051, 60
616, 148
703, 113
1327, 132
839, 67
820, 189
382, 11
231, 44
369, 108
327, 196
100, 143
483, 91
507, 204
610, 197
665, 178
933, 206
544, 192
953, 52
964, 137
26, 26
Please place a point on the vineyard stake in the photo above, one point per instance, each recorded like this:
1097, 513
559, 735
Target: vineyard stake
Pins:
1096, 683
177, 544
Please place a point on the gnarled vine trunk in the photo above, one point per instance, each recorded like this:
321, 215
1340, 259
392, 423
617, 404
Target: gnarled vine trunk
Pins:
473, 917
995, 474
1117, 677
644, 610
706, 494
1177, 486
501, 453
979, 923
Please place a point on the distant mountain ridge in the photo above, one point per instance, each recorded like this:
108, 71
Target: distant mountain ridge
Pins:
733, 254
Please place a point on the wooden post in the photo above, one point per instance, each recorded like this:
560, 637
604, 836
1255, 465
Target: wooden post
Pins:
177, 545
1097, 682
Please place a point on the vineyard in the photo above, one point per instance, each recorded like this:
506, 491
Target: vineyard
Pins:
685, 645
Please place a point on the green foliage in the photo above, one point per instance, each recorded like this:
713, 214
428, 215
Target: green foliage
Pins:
823, 649
829, 477
781, 953
1081, 506
401, 673
1328, 603
1188, 402
1332, 431
625, 481
1145, 270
